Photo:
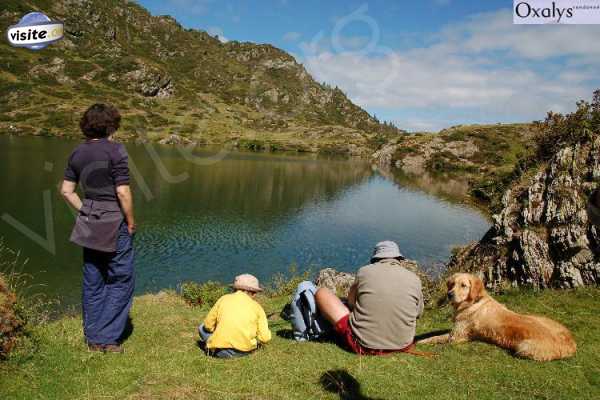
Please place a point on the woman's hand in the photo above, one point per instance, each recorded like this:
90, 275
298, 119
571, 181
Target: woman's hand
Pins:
126, 200
68, 191
131, 227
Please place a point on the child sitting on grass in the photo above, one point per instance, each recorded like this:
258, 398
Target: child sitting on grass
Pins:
236, 324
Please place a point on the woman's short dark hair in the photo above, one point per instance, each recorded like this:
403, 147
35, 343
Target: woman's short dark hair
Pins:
100, 120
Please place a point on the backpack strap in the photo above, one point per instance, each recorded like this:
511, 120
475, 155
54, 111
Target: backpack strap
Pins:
308, 312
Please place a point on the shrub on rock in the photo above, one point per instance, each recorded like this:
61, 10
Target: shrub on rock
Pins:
12, 323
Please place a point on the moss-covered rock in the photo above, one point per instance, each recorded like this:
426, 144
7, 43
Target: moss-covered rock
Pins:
11, 323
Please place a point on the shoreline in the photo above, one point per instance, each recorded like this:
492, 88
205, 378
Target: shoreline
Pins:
162, 360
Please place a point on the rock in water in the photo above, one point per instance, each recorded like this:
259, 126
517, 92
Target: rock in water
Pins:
543, 236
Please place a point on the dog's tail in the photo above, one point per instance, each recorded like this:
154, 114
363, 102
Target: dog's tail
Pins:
561, 346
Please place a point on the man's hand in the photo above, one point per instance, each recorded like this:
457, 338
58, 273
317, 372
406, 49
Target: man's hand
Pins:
352, 295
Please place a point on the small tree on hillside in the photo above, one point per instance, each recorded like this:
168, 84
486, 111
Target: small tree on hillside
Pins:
560, 130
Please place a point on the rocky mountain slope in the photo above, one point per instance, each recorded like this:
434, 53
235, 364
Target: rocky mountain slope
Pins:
543, 236
172, 84
547, 233
538, 180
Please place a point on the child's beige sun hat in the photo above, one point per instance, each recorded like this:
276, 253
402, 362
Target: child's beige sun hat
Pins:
246, 282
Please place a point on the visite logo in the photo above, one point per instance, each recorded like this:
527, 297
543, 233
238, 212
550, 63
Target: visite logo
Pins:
35, 31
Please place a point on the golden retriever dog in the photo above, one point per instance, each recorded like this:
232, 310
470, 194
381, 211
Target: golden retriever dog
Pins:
479, 317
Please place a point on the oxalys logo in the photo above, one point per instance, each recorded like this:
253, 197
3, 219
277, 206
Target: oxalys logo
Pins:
35, 31
556, 12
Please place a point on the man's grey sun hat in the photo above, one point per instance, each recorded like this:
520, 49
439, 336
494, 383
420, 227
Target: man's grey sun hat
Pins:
386, 249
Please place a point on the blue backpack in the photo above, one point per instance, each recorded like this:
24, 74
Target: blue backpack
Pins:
307, 323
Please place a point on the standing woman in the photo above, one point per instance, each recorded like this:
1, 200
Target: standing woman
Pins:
104, 227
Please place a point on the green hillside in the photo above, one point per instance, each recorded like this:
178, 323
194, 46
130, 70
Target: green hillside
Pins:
172, 84
479, 161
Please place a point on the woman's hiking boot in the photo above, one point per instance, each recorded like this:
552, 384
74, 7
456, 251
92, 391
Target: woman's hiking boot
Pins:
113, 348
95, 347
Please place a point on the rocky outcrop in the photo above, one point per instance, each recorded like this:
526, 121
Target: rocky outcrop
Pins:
150, 82
412, 154
175, 139
384, 157
467, 163
336, 281
340, 282
54, 69
543, 236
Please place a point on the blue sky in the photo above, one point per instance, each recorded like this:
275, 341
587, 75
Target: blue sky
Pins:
424, 65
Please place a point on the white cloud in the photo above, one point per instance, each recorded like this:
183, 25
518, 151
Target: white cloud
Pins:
495, 31
353, 43
291, 36
216, 31
485, 65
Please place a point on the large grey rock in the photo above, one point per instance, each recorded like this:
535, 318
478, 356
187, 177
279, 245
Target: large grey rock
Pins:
336, 281
340, 282
383, 157
543, 236
150, 82
175, 139
531, 264
55, 69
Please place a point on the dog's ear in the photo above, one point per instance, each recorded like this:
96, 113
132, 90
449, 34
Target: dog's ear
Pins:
450, 281
477, 290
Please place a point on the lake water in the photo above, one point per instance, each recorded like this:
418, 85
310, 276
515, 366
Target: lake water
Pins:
206, 215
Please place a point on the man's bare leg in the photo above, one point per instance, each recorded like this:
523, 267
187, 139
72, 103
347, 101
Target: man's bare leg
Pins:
330, 306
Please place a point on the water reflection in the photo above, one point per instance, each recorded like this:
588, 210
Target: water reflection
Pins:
249, 212
251, 184
453, 189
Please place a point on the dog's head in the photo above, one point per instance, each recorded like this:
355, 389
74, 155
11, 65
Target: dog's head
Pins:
464, 288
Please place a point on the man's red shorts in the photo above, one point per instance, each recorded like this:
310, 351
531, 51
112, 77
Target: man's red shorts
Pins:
343, 329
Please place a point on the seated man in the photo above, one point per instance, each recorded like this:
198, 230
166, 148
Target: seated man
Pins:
236, 324
386, 301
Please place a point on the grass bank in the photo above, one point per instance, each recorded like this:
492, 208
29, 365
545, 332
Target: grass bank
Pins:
162, 361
